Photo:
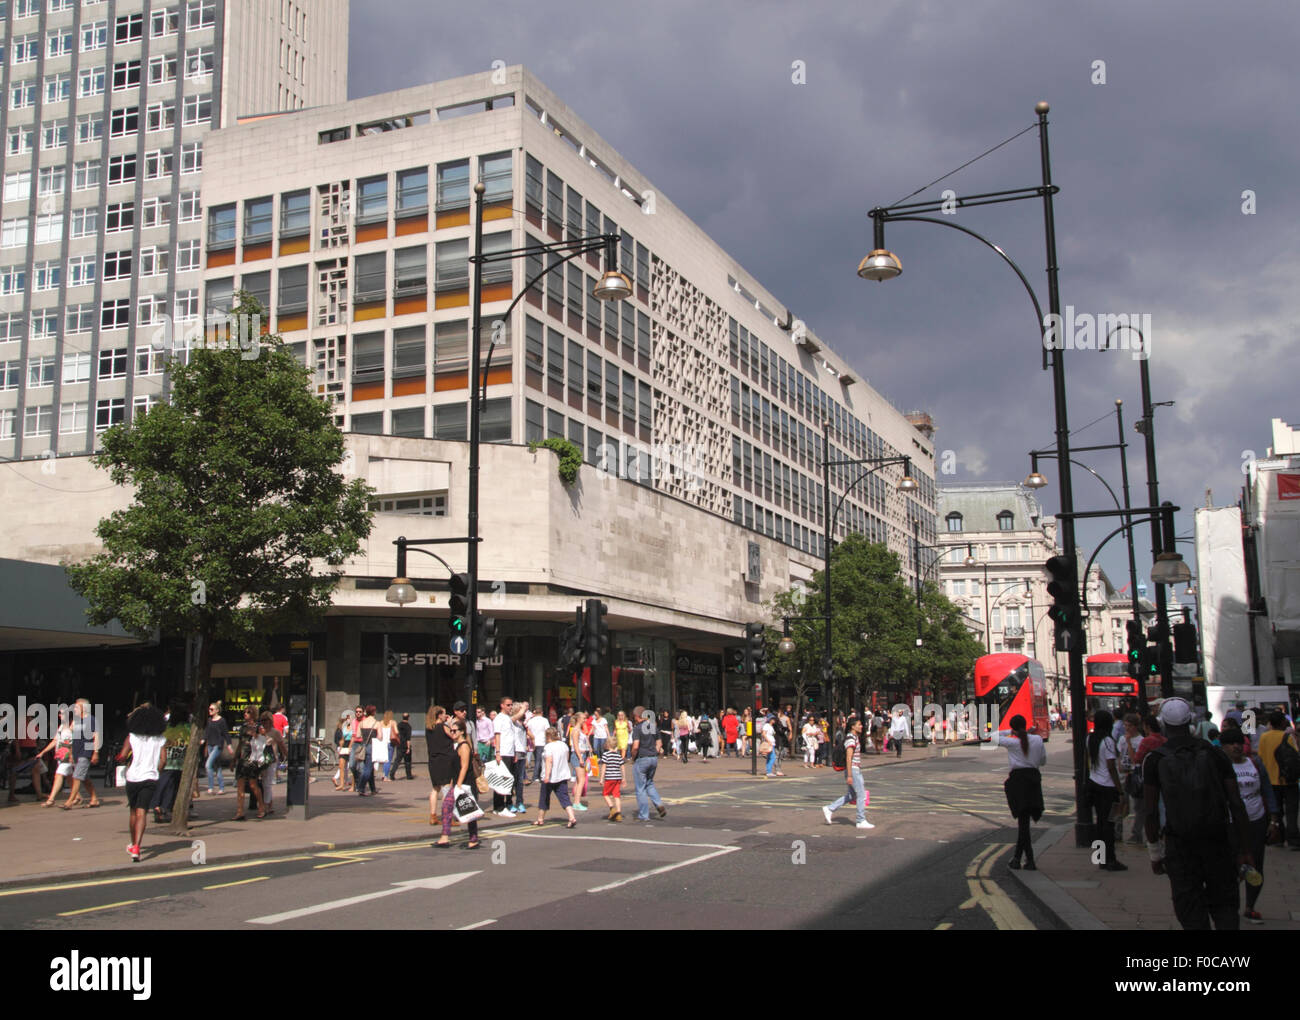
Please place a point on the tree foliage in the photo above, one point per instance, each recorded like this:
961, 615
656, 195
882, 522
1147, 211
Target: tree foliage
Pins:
238, 512
871, 598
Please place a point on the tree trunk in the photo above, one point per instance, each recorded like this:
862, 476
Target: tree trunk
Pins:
198, 720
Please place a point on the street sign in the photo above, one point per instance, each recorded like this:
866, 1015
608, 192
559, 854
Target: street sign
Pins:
459, 644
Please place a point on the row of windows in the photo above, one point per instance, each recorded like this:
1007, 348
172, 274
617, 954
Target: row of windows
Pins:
199, 14
150, 260
74, 416
410, 189
610, 453
777, 526
112, 364
126, 74
122, 169
1005, 518
449, 421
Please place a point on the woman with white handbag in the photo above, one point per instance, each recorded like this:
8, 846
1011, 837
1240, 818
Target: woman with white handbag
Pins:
459, 789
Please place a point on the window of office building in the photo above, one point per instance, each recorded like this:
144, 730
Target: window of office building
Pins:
409, 354
372, 199
412, 189
295, 212
449, 421
453, 185
293, 290
408, 421
495, 173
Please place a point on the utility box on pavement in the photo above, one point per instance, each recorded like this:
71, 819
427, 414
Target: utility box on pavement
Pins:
301, 699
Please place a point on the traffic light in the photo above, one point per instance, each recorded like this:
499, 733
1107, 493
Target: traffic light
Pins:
458, 607
1149, 661
1063, 586
1185, 642
570, 648
596, 643
1136, 642
393, 664
755, 649
485, 636
736, 656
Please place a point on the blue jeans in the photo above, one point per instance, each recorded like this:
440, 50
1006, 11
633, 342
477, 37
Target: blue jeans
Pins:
214, 769
859, 796
598, 745
771, 761
520, 767
538, 754
644, 777
366, 773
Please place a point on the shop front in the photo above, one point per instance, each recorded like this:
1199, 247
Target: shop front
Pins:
697, 682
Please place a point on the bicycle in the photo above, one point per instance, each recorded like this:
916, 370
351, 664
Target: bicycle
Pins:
322, 754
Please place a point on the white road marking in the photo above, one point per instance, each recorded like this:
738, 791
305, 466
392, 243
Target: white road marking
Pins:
663, 870
435, 882
477, 924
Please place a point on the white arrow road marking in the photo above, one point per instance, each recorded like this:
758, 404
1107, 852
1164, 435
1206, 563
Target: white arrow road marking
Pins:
436, 882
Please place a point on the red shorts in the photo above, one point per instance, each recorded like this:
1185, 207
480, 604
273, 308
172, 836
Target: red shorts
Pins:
612, 787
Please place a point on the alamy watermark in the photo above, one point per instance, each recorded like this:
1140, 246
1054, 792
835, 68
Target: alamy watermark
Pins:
219, 332
41, 722
977, 719
1083, 331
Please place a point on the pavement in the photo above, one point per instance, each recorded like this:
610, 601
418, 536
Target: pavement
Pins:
1082, 897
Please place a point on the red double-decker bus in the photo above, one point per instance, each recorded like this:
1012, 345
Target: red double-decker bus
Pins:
1107, 685
1016, 685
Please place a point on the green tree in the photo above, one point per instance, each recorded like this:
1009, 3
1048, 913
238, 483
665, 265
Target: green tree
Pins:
871, 598
239, 513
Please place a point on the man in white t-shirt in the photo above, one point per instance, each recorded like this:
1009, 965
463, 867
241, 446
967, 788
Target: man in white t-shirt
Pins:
503, 750
145, 727
537, 725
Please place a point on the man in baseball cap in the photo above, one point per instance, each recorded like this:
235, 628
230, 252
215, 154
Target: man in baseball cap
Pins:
1198, 851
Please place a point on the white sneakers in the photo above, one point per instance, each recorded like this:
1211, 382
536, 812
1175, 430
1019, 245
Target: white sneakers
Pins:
864, 824
826, 813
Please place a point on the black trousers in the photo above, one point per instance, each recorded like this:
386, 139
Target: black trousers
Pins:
1203, 881
1258, 842
1290, 802
1101, 799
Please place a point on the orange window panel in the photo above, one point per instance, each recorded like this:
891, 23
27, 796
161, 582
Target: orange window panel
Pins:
411, 305
295, 245
496, 292
498, 375
221, 258
497, 211
372, 232
373, 310
405, 387
452, 218
452, 299
368, 391
254, 252
451, 381
289, 323
413, 225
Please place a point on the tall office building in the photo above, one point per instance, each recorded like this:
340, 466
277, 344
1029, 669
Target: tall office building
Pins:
107, 104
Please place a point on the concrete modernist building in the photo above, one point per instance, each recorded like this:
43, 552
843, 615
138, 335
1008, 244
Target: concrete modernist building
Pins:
698, 403
107, 106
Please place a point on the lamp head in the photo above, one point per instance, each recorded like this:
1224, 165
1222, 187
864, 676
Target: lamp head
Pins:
879, 265
1169, 568
785, 646
401, 592
1034, 480
613, 286
971, 561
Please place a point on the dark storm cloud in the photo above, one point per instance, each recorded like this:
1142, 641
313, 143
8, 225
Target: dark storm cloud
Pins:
1195, 110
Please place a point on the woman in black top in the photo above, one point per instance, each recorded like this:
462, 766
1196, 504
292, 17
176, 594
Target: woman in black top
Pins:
216, 737
442, 757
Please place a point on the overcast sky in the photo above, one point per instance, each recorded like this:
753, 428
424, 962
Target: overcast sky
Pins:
1197, 107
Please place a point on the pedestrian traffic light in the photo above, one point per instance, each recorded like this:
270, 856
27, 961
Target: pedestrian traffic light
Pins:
458, 606
755, 649
736, 656
597, 633
485, 636
1063, 586
1136, 642
1149, 661
393, 664
1185, 642
579, 639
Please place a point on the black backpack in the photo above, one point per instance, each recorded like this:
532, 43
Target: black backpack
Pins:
839, 756
1288, 760
1191, 785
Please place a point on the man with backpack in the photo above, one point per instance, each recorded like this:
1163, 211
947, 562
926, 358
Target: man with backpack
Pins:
1278, 752
1199, 853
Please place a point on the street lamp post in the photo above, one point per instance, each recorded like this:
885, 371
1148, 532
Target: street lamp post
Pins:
880, 264
905, 484
613, 286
